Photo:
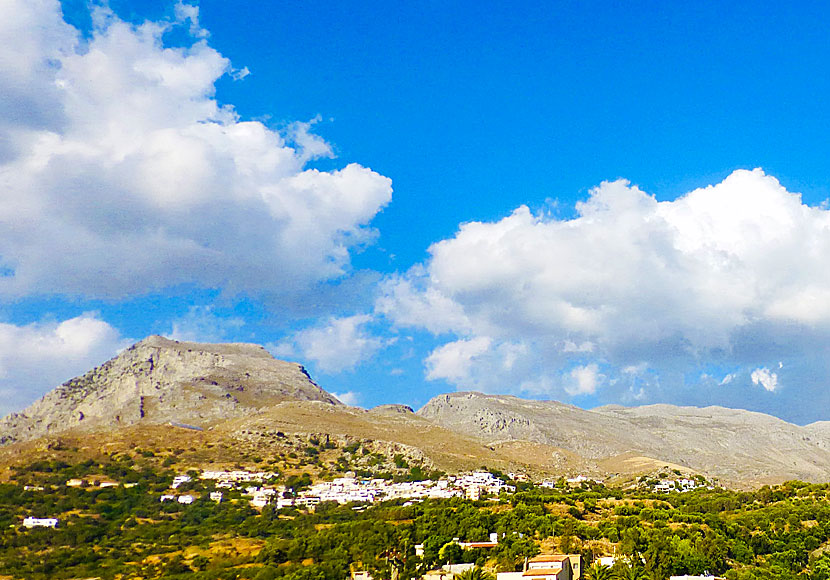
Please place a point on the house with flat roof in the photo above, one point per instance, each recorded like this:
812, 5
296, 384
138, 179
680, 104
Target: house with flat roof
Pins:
549, 567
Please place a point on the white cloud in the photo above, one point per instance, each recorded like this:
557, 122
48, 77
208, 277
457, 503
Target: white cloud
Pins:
452, 362
570, 346
309, 145
411, 301
189, 13
585, 380
339, 344
349, 398
238, 74
37, 357
120, 173
765, 378
735, 273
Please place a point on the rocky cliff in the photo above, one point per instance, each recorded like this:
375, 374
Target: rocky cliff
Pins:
159, 380
732, 444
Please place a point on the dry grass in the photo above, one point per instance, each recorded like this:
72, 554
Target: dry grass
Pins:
264, 440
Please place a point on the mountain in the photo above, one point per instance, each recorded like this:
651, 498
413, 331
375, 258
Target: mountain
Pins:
732, 444
249, 405
158, 381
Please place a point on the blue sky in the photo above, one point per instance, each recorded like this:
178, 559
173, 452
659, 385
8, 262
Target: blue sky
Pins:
553, 201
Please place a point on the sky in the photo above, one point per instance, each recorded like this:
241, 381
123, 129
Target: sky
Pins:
590, 202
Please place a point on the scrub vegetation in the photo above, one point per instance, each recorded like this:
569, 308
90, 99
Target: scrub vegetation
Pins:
125, 532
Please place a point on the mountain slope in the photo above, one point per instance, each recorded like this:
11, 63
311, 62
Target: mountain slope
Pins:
159, 380
246, 398
732, 444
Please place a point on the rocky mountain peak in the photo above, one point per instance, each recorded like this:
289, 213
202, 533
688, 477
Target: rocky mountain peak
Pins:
158, 380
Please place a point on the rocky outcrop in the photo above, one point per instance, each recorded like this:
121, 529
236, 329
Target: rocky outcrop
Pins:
159, 380
497, 418
392, 409
732, 444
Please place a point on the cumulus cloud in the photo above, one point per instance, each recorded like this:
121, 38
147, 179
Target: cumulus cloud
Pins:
453, 361
733, 274
340, 344
585, 380
120, 173
765, 378
37, 357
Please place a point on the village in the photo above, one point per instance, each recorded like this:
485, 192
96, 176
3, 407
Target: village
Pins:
257, 487
342, 490
260, 489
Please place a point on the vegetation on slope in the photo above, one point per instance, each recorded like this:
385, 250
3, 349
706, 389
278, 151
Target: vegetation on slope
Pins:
126, 532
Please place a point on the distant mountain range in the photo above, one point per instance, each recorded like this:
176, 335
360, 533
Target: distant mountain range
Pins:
234, 389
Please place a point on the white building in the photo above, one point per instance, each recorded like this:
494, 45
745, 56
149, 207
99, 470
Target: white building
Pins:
180, 479
40, 522
681, 485
186, 499
284, 502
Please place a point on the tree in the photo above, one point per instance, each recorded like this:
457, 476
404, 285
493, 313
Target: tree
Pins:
629, 571
450, 553
474, 573
200, 563
597, 571
267, 573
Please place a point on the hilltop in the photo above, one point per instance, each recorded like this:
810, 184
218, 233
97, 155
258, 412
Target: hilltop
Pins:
159, 380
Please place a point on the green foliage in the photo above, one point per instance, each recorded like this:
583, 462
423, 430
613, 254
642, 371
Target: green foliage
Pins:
474, 573
450, 553
126, 532
597, 571
296, 484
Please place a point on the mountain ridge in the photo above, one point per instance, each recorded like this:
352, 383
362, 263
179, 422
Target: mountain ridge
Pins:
733, 444
235, 389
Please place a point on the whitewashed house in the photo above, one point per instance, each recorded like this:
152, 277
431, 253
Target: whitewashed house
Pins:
40, 522
180, 479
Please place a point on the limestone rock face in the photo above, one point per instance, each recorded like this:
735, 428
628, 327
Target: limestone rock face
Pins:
499, 418
732, 444
158, 381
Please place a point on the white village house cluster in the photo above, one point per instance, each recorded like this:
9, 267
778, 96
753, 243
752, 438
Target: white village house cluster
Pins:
344, 490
